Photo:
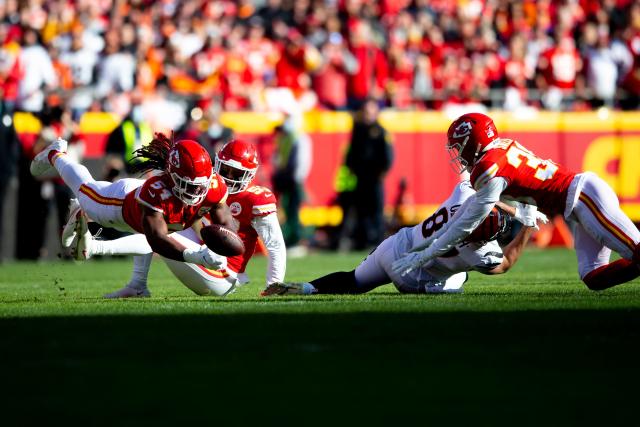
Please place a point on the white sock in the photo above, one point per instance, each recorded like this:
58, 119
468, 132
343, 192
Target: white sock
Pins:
135, 244
141, 265
73, 174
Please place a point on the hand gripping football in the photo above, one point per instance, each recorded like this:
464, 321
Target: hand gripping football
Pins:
222, 240
493, 225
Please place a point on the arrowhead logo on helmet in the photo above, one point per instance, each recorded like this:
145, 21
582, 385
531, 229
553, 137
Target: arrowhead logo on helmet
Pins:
174, 158
467, 137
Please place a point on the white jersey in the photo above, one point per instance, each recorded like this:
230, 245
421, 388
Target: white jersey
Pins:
376, 268
465, 256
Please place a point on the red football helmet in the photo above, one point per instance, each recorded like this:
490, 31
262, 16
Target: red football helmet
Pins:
468, 136
237, 163
189, 166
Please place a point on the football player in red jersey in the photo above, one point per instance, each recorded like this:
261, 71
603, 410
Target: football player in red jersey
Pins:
254, 209
184, 189
502, 169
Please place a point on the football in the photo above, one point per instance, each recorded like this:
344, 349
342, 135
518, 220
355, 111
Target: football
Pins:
493, 225
222, 240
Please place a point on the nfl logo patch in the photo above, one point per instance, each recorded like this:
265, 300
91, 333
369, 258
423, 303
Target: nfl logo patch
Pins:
235, 208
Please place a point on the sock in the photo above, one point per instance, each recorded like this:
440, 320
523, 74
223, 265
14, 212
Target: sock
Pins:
72, 173
612, 274
141, 265
341, 282
135, 244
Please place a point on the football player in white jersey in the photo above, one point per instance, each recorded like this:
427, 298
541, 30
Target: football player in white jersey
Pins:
445, 274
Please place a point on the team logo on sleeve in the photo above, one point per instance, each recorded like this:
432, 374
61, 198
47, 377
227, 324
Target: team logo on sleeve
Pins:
174, 158
463, 129
235, 208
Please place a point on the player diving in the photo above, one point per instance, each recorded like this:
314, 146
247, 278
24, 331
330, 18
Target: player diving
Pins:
182, 190
502, 169
252, 206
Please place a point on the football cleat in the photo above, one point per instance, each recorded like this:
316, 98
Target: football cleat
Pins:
283, 288
69, 230
128, 292
81, 250
453, 285
40, 165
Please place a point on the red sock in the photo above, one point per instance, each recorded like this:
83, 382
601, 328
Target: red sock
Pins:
612, 274
51, 155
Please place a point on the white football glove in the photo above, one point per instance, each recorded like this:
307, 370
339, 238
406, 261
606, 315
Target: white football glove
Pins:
407, 263
205, 257
529, 215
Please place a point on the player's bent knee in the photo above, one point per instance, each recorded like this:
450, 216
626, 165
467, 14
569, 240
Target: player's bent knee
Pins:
593, 282
201, 281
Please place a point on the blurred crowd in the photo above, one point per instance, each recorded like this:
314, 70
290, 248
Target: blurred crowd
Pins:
291, 55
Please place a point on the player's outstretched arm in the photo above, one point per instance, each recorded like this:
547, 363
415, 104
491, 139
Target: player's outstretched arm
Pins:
157, 232
511, 253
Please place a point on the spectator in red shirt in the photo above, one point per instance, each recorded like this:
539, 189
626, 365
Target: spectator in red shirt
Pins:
290, 69
371, 78
330, 80
560, 67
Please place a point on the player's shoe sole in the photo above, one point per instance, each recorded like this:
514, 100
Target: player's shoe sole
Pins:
69, 230
80, 251
40, 165
285, 288
128, 292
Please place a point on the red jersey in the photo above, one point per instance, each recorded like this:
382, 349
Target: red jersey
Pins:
529, 179
245, 206
155, 194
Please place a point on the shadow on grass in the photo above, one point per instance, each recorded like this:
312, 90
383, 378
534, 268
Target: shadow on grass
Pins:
523, 368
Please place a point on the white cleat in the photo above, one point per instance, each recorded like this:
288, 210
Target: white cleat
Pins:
453, 285
40, 165
69, 230
81, 249
284, 288
128, 292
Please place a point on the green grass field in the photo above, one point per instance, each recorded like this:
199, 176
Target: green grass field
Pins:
533, 347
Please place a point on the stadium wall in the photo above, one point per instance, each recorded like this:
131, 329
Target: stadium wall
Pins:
604, 142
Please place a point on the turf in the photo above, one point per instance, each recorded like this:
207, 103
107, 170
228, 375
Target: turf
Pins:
532, 347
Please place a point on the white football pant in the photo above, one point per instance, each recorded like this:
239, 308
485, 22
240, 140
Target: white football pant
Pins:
599, 226
101, 201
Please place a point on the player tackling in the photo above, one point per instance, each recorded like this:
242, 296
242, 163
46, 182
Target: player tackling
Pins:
183, 190
445, 274
502, 169
254, 209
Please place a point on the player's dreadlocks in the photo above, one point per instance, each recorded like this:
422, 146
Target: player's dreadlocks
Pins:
152, 156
